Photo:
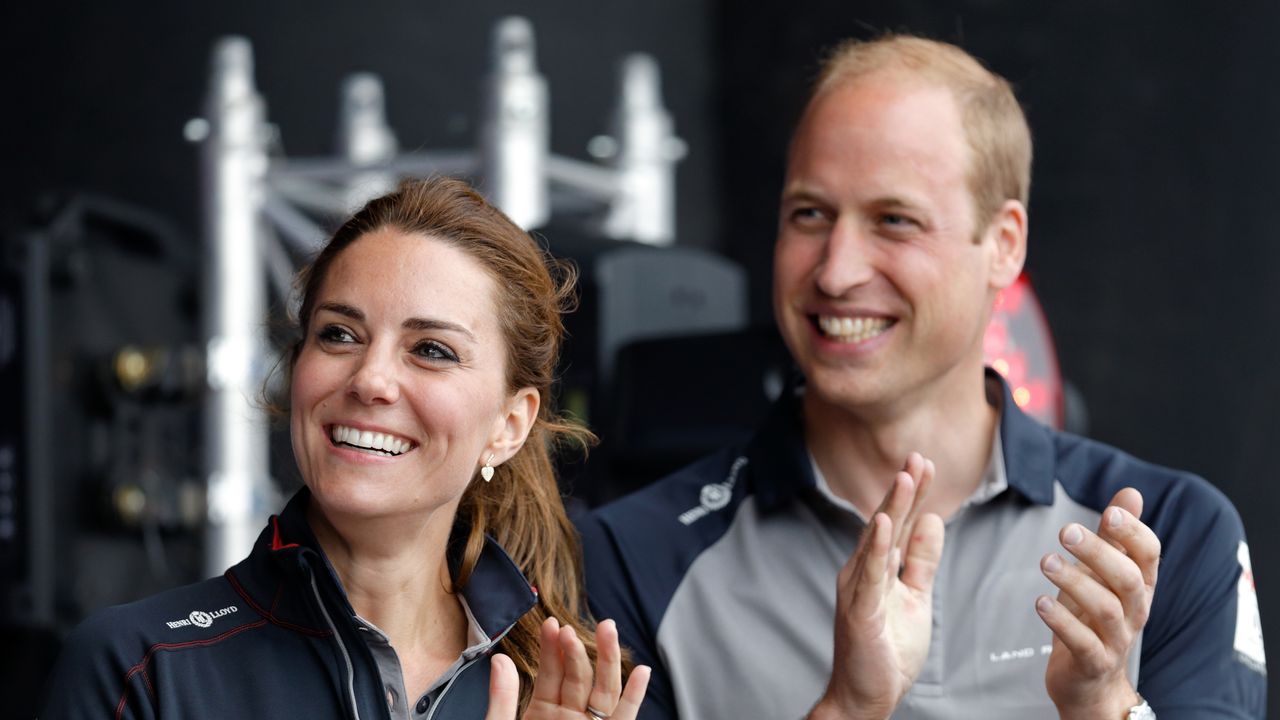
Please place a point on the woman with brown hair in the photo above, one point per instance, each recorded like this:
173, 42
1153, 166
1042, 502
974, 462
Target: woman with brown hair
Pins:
427, 569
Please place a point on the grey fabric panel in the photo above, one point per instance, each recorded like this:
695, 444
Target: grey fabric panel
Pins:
759, 606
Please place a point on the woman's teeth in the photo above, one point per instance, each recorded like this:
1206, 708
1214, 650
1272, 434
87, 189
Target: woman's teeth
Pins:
374, 442
851, 330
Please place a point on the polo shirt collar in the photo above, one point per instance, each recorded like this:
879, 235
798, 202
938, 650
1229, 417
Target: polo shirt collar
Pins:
777, 460
779, 466
1028, 448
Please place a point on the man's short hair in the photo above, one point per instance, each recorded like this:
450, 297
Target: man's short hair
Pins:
995, 127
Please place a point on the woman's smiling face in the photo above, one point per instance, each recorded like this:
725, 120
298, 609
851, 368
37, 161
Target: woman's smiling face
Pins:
399, 390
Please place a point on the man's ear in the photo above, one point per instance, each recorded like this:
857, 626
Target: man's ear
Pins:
1008, 235
512, 428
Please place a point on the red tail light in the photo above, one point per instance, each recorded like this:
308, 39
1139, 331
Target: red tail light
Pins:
1019, 346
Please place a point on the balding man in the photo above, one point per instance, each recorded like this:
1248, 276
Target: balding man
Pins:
805, 572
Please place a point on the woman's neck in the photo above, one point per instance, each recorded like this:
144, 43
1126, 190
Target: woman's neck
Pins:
396, 576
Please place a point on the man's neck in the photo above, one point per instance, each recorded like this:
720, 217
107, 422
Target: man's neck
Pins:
860, 450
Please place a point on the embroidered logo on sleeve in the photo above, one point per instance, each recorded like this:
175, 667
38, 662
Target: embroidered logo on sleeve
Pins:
1248, 642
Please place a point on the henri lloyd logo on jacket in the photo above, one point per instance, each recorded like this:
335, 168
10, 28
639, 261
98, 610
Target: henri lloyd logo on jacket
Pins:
202, 619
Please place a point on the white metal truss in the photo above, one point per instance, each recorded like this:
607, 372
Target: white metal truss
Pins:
253, 201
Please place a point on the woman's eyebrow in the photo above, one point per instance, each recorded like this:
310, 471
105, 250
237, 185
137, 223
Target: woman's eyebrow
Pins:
413, 323
341, 309
432, 324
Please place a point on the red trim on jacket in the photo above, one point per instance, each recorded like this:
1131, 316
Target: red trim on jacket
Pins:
276, 543
141, 667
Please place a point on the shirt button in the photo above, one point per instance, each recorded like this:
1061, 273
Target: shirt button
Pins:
423, 704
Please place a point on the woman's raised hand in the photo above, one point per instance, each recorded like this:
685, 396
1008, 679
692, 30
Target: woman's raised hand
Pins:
566, 688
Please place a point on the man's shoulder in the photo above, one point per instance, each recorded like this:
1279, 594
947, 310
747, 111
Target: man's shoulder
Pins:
699, 501
650, 538
1091, 472
693, 505
671, 496
1204, 622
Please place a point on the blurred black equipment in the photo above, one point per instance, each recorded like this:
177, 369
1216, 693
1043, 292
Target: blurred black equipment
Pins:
98, 456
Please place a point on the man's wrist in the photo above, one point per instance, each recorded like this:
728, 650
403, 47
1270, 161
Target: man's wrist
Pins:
1141, 711
1115, 705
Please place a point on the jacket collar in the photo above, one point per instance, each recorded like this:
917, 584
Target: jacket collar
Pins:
496, 595
779, 464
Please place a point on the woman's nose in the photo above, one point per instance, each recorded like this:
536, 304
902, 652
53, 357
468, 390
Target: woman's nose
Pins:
375, 379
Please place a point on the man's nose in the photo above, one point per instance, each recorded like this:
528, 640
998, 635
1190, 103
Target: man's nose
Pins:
846, 259
376, 379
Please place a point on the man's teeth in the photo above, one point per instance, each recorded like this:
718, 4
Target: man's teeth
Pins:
380, 443
851, 330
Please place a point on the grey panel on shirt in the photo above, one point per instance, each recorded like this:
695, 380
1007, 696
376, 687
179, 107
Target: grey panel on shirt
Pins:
748, 633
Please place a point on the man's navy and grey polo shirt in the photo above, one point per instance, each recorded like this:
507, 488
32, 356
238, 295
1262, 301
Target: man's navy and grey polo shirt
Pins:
723, 578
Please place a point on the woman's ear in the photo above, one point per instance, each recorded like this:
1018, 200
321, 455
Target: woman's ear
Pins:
1008, 235
513, 426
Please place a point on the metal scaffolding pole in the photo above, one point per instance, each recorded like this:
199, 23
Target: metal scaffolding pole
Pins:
516, 132
365, 139
234, 164
646, 154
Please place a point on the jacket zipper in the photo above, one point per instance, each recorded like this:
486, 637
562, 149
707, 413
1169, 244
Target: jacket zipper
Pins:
440, 698
351, 689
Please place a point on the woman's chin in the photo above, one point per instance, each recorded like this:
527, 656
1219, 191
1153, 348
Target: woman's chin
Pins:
352, 502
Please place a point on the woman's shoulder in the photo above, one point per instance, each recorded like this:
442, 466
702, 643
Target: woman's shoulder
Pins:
171, 616
111, 649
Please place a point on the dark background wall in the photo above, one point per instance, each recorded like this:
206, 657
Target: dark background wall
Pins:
1156, 129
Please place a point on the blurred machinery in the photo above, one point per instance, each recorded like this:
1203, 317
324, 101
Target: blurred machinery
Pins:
100, 447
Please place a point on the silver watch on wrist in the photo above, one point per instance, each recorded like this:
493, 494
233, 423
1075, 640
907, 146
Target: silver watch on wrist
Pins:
1142, 711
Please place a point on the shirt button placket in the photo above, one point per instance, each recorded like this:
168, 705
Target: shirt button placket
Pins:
423, 705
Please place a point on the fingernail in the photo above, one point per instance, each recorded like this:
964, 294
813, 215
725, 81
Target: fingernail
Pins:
1073, 535
1044, 604
1115, 518
1053, 563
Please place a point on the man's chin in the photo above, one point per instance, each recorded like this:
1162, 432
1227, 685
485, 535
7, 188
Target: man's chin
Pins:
845, 387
